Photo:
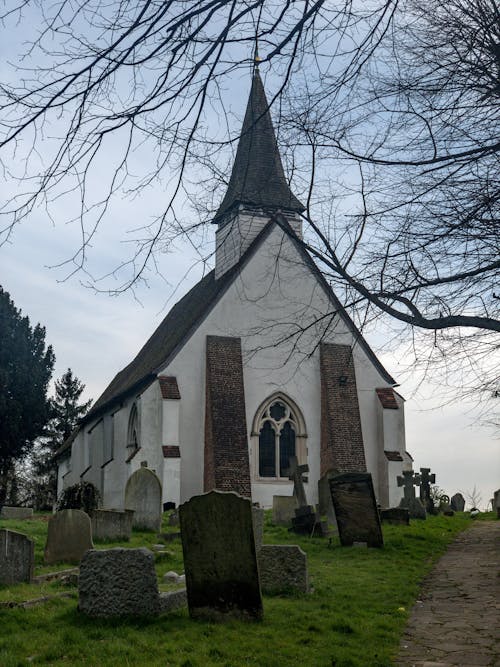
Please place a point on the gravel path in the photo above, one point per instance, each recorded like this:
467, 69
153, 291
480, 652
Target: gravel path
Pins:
456, 620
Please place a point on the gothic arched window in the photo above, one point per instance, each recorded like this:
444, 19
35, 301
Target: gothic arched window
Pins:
133, 438
278, 434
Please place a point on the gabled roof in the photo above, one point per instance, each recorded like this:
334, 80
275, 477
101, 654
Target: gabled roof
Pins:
187, 315
258, 179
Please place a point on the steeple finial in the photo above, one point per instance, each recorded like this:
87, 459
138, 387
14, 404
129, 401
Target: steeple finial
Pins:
258, 179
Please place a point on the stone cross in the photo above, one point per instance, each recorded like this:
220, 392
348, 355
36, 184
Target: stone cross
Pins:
295, 473
408, 481
426, 480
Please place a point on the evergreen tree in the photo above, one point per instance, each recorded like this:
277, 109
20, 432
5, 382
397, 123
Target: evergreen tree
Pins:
26, 366
65, 412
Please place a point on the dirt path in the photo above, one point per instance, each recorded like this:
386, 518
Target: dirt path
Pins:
456, 620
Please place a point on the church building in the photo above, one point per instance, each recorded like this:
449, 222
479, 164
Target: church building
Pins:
257, 362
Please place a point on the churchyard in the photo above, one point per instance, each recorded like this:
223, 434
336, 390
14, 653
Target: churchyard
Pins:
354, 614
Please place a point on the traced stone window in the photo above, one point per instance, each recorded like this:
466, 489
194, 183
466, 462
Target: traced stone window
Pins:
278, 428
133, 435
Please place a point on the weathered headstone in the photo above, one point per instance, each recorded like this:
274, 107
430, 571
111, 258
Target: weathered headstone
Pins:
444, 505
143, 496
356, 509
457, 502
283, 569
325, 505
398, 516
258, 526
69, 536
426, 479
408, 481
118, 582
111, 525
17, 556
220, 561
283, 510
496, 500
18, 513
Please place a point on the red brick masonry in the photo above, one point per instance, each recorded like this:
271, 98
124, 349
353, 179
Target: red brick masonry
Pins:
387, 397
341, 437
169, 387
227, 465
171, 452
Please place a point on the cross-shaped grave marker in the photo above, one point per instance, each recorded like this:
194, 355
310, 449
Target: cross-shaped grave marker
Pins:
426, 479
295, 473
408, 481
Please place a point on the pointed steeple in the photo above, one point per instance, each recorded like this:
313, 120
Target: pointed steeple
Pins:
258, 179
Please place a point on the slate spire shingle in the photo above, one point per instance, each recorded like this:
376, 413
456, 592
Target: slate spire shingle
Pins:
258, 179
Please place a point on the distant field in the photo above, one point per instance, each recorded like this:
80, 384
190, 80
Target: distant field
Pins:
353, 618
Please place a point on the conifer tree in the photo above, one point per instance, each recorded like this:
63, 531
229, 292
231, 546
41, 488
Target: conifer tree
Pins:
65, 412
25, 370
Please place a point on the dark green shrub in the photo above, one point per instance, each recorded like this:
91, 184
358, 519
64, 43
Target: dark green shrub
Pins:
83, 496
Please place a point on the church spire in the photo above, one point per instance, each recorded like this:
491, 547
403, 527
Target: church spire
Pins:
258, 179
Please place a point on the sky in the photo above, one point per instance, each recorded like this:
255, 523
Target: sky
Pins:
96, 334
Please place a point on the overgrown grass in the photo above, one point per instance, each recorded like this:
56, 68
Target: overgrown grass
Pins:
354, 616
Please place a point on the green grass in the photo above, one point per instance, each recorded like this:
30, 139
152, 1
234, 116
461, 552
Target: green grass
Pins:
353, 618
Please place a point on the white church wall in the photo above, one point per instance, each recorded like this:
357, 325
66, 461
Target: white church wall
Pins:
171, 481
264, 302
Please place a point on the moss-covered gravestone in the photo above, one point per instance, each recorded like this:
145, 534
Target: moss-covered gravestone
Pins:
17, 555
220, 561
69, 536
356, 509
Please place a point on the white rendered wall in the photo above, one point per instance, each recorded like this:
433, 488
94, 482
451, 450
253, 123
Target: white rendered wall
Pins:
271, 296
171, 481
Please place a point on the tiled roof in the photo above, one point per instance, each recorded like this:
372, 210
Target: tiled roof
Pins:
171, 452
387, 397
169, 387
393, 456
258, 179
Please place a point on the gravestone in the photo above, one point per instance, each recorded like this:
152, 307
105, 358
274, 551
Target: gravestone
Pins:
143, 496
408, 481
283, 510
496, 500
17, 513
457, 502
325, 505
111, 525
258, 526
118, 582
398, 516
305, 521
356, 509
220, 561
444, 505
69, 536
426, 479
283, 569
17, 556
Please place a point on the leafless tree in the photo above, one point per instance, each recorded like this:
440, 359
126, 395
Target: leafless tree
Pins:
387, 112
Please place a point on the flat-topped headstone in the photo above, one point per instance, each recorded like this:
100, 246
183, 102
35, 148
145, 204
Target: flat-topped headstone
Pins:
496, 499
17, 513
118, 582
325, 504
283, 569
356, 509
111, 525
283, 510
457, 502
398, 516
69, 536
220, 561
143, 496
258, 526
17, 556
